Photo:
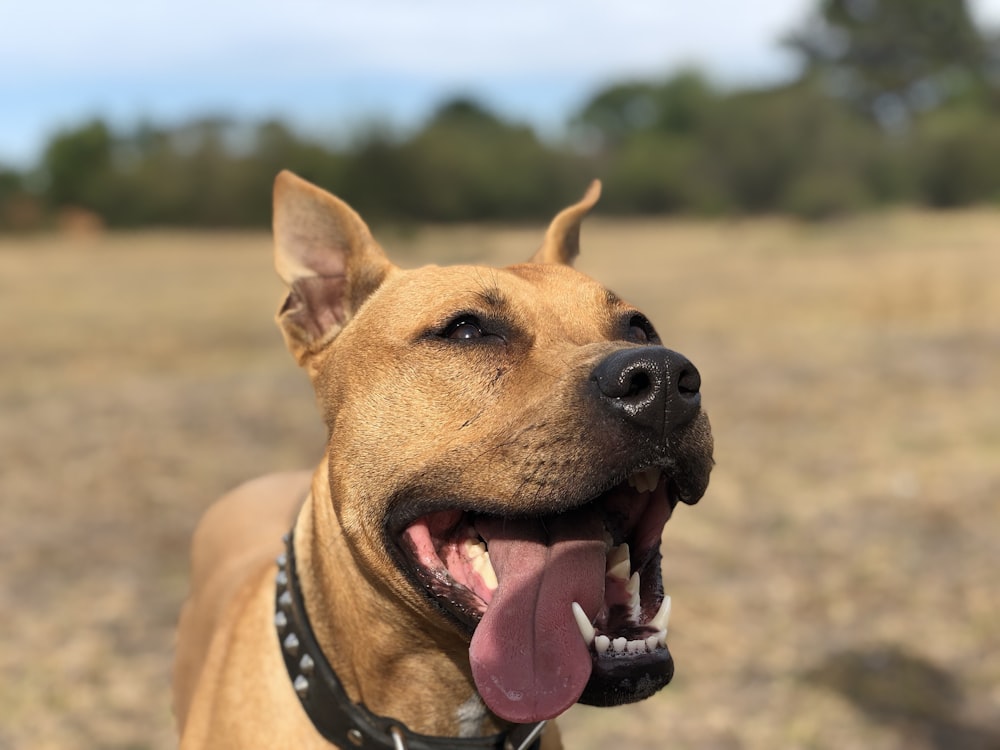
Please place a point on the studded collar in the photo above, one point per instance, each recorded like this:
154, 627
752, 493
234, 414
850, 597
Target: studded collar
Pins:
344, 723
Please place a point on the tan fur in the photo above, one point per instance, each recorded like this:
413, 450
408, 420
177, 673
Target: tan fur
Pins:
391, 396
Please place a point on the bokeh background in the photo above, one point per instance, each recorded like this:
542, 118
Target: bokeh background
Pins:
802, 194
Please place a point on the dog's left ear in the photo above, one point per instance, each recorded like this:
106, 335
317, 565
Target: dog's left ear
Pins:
562, 240
328, 258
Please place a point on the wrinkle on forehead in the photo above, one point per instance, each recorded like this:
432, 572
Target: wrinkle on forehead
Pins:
571, 297
548, 301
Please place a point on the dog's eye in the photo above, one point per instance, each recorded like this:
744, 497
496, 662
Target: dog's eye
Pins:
640, 330
465, 327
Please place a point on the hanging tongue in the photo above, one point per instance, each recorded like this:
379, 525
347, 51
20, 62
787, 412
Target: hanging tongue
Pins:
528, 658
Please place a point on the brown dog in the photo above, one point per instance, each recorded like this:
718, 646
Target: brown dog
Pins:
479, 548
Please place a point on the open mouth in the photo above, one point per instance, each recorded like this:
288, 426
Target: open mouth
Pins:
562, 608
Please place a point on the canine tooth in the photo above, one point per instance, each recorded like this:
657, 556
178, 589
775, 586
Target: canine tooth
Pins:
662, 618
618, 562
601, 644
652, 642
634, 603
583, 622
662, 637
619, 645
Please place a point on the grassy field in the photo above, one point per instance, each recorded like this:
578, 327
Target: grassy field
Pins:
837, 587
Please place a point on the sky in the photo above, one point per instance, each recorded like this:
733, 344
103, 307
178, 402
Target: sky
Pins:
328, 67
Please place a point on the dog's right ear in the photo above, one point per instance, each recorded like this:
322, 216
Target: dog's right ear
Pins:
328, 258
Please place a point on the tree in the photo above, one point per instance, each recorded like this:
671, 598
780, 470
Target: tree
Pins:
678, 106
76, 164
468, 163
893, 59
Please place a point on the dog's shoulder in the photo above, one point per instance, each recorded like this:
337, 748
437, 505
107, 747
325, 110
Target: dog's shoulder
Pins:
248, 518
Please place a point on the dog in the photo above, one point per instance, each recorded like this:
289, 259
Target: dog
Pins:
479, 548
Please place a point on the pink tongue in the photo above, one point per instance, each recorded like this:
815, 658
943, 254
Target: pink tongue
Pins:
528, 658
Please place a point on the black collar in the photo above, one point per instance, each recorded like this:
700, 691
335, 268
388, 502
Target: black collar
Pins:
350, 725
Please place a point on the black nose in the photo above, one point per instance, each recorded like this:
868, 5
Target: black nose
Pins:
650, 386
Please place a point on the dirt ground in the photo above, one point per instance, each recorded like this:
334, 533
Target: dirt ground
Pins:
836, 588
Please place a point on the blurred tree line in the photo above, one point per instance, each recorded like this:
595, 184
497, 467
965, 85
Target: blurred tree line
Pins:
898, 101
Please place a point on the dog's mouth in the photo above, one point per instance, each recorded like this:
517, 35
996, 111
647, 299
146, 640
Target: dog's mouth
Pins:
562, 608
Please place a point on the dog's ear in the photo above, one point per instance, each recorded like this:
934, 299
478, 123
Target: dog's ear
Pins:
562, 240
328, 258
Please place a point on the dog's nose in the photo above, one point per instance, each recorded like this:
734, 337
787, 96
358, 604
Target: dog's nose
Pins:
650, 386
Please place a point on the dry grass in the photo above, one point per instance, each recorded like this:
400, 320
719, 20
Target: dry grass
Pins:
835, 589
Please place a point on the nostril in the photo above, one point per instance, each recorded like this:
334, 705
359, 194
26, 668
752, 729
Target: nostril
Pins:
638, 384
689, 382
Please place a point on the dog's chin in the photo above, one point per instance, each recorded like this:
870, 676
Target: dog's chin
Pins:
559, 609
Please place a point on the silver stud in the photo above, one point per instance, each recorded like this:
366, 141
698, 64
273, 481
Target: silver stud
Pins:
285, 600
398, 740
285, 537
280, 621
281, 579
291, 644
355, 737
306, 664
282, 560
301, 686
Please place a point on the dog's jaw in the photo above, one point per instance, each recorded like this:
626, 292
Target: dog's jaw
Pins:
569, 607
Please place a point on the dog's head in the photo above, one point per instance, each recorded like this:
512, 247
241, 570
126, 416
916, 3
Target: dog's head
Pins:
510, 442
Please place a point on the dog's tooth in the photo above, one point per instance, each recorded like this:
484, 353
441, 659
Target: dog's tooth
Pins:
474, 548
638, 481
632, 587
491, 575
637, 646
662, 618
661, 637
652, 478
583, 622
601, 644
652, 642
619, 645
618, 562
634, 603
484, 568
